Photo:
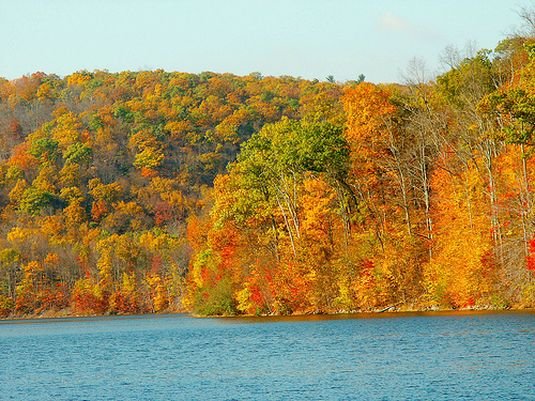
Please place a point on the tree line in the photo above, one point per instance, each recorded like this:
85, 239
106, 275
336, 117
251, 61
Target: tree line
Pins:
156, 191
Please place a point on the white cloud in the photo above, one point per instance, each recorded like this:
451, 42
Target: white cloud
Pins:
391, 22
394, 23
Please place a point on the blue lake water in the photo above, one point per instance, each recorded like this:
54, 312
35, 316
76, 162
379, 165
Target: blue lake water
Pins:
452, 356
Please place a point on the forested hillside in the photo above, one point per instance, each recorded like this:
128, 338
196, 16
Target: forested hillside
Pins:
155, 191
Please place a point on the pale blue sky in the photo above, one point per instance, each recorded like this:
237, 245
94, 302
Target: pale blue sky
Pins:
307, 38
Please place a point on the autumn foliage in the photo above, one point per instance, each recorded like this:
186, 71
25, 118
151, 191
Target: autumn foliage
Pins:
157, 191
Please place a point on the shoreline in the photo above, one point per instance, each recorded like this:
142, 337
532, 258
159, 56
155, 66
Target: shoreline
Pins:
377, 313
297, 316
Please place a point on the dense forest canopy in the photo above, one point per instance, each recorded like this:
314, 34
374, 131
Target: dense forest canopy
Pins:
161, 191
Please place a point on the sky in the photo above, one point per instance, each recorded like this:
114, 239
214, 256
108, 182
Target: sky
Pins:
305, 38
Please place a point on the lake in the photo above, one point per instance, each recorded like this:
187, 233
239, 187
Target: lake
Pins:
432, 356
